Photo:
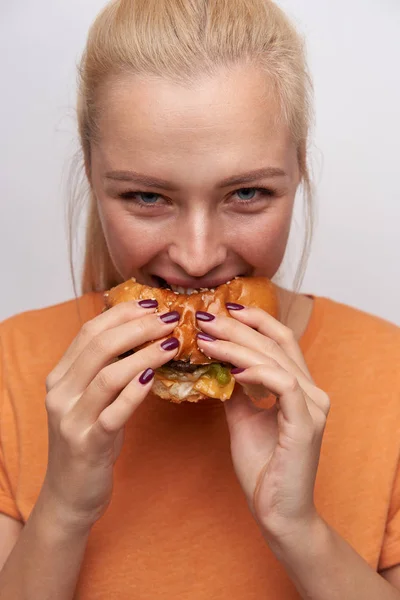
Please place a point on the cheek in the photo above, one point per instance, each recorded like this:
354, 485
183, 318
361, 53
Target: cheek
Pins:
263, 242
130, 243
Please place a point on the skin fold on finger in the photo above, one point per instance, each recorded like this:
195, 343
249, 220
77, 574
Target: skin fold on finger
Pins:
118, 315
225, 328
113, 342
114, 378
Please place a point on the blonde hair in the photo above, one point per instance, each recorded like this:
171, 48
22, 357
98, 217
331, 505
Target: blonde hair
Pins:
179, 40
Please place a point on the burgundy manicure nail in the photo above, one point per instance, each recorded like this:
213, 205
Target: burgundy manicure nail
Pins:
170, 317
146, 376
205, 337
204, 316
170, 344
234, 306
237, 370
149, 303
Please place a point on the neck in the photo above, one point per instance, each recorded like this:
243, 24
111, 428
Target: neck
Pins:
294, 310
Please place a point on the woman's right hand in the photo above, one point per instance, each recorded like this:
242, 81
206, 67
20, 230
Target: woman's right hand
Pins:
90, 397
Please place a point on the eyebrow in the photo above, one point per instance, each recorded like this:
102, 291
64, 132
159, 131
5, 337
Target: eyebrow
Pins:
141, 179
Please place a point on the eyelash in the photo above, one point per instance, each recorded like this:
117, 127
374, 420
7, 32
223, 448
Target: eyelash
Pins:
264, 192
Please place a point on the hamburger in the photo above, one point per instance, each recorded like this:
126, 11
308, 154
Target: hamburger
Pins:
192, 376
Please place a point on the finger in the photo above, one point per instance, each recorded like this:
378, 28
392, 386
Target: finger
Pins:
118, 315
268, 326
109, 344
292, 400
114, 417
244, 357
225, 328
111, 382
240, 356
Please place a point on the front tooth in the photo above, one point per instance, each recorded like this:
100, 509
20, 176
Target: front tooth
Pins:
181, 290
177, 289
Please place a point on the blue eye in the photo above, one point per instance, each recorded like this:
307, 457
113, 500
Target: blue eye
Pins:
247, 192
150, 200
141, 198
252, 195
148, 197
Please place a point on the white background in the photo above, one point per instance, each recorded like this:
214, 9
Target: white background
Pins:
354, 52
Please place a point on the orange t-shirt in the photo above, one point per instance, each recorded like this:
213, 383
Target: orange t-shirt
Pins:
178, 525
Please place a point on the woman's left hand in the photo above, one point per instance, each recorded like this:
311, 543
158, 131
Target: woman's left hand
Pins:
275, 451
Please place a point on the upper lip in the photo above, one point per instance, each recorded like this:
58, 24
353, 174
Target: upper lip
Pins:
199, 283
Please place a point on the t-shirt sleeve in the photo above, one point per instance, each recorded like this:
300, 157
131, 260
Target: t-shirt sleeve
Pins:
390, 552
7, 502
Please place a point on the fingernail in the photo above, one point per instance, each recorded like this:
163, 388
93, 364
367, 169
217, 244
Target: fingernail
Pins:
170, 317
205, 337
237, 370
204, 316
146, 376
148, 303
170, 344
234, 306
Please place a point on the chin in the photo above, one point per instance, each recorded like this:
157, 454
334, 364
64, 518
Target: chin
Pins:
192, 376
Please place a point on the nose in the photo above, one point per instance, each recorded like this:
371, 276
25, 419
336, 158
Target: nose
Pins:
198, 247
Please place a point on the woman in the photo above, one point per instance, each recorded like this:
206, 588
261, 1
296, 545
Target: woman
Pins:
194, 120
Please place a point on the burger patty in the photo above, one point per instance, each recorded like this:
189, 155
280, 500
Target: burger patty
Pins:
182, 365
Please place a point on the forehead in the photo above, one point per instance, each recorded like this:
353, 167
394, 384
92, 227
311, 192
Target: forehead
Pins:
229, 116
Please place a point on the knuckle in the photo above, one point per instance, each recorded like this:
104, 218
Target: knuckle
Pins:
320, 421
126, 398
271, 362
98, 345
141, 325
286, 336
89, 329
51, 404
66, 431
324, 401
51, 380
126, 310
291, 383
131, 309
105, 426
72, 437
106, 382
270, 346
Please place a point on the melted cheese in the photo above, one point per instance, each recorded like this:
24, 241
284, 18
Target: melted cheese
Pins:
210, 387
204, 385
